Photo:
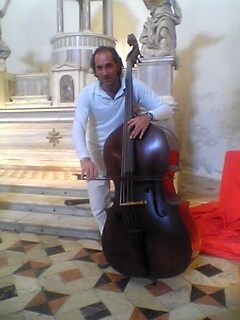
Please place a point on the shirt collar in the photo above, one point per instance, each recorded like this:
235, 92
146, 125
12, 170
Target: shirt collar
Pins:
99, 91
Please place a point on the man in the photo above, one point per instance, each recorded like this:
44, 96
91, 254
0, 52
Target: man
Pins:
100, 110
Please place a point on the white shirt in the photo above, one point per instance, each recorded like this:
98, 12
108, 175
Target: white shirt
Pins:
97, 114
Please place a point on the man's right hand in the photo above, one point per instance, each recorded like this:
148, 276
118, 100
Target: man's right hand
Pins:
88, 169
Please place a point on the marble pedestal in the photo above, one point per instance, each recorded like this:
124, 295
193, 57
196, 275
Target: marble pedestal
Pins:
157, 73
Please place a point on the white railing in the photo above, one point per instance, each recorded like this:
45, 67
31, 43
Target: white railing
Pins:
77, 48
32, 84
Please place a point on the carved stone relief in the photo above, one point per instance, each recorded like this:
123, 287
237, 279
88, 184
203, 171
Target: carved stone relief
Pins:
66, 89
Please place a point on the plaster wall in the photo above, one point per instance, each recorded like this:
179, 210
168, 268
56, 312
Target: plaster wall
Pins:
206, 84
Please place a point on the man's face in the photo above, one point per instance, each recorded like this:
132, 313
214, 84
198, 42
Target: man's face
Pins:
107, 71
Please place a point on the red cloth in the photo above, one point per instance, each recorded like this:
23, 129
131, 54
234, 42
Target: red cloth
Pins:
219, 222
230, 189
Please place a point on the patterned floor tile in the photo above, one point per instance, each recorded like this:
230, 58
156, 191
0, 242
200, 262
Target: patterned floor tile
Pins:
46, 302
95, 311
32, 269
233, 298
90, 244
15, 316
28, 237
139, 296
8, 292
175, 299
73, 314
54, 250
3, 260
90, 255
148, 314
117, 303
208, 295
8, 238
209, 270
112, 282
187, 312
70, 275
158, 288
15, 261
79, 301
23, 246
26, 285
216, 312
69, 243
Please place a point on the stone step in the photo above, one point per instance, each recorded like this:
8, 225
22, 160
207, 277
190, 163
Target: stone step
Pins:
67, 191
29, 101
53, 224
28, 105
31, 201
42, 203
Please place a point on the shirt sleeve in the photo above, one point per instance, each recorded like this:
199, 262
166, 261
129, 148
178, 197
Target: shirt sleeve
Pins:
151, 102
80, 124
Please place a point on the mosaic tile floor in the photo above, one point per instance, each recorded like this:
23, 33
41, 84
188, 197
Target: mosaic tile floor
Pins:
46, 277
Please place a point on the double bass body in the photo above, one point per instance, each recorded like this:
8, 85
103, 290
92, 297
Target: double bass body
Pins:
144, 234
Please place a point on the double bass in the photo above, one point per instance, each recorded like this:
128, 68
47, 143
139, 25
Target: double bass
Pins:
145, 234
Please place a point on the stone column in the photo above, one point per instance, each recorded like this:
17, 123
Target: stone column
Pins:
81, 16
86, 15
107, 18
60, 21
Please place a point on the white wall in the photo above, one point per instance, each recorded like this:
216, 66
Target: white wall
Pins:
27, 28
206, 85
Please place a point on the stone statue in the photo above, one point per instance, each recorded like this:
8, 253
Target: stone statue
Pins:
158, 36
4, 50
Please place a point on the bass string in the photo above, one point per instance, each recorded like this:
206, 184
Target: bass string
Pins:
128, 213
127, 168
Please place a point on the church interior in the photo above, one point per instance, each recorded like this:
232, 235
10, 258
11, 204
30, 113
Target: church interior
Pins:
50, 248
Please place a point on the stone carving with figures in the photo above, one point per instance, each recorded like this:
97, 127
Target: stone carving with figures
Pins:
158, 36
4, 50
66, 89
